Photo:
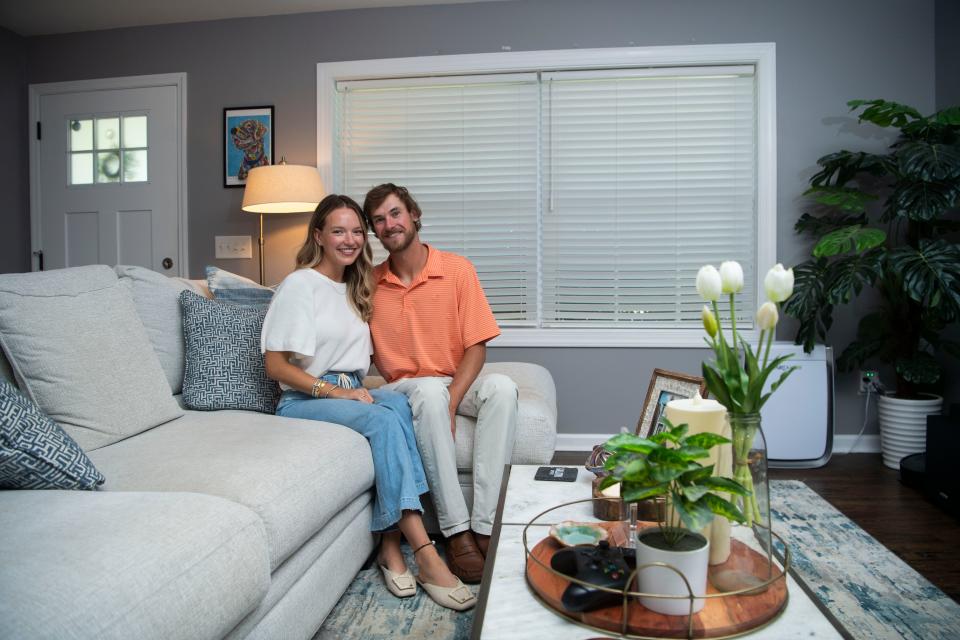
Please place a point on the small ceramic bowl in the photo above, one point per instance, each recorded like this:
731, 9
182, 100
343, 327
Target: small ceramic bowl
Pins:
570, 534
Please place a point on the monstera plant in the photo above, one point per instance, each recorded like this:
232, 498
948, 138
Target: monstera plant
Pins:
887, 221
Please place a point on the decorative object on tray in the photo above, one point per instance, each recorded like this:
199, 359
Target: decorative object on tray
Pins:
665, 386
595, 460
737, 378
571, 534
666, 464
914, 265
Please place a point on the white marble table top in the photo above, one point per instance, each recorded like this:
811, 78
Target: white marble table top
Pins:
511, 610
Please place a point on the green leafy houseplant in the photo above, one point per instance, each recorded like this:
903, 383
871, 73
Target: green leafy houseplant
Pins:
666, 465
902, 247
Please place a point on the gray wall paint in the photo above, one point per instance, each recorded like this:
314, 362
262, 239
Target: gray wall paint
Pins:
948, 53
827, 53
14, 178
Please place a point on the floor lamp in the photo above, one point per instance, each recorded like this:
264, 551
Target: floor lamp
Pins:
281, 188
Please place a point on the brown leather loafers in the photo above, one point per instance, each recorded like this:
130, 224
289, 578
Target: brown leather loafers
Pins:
464, 557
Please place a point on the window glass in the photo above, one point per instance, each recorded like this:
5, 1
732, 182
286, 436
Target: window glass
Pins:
108, 133
108, 166
134, 132
81, 168
135, 165
81, 135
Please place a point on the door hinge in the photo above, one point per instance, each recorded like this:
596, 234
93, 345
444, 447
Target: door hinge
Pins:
39, 255
38, 129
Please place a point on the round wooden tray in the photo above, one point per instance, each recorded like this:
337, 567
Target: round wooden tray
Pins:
723, 616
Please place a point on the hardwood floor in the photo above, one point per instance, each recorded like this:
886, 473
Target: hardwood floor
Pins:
858, 485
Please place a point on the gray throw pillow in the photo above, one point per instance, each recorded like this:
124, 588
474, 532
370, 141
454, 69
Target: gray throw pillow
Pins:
229, 287
224, 366
35, 453
157, 299
79, 351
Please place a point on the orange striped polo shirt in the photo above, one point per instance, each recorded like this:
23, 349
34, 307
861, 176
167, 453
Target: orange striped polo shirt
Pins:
423, 329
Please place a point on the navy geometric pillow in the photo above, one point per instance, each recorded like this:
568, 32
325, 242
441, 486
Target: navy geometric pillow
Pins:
35, 453
224, 366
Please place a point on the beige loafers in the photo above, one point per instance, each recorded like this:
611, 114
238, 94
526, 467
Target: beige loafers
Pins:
402, 585
458, 598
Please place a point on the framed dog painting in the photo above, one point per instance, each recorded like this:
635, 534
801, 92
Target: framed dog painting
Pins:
247, 142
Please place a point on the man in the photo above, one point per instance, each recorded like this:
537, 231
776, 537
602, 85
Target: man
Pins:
430, 325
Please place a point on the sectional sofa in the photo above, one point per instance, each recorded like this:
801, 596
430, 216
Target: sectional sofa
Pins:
211, 524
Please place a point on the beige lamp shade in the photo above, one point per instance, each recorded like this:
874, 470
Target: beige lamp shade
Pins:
282, 188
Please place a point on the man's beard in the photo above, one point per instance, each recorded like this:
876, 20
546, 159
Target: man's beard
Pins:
399, 242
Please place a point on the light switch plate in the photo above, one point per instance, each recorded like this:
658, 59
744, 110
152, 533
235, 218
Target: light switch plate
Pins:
233, 246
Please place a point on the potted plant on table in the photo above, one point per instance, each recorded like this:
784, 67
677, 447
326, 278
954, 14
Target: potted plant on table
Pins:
666, 465
905, 249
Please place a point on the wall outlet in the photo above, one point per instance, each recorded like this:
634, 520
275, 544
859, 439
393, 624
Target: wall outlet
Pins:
867, 380
233, 246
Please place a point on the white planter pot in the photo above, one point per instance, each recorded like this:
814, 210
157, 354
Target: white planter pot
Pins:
903, 426
661, 580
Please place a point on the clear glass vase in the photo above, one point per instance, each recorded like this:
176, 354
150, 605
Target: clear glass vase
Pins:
748, 466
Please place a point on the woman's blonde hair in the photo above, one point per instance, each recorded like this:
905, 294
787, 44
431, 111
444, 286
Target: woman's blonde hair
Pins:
359, 275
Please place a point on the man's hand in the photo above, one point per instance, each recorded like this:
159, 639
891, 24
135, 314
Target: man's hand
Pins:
453, 422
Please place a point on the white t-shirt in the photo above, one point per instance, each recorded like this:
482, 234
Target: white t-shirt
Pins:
310, 316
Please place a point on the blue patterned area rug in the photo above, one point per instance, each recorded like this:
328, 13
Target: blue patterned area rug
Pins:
367, 611
873, 593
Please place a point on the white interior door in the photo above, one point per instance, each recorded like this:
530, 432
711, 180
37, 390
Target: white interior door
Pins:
109, 176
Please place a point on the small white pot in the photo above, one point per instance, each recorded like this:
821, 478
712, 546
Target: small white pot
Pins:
661, 580
903, 426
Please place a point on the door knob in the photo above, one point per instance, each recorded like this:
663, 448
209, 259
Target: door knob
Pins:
167, 263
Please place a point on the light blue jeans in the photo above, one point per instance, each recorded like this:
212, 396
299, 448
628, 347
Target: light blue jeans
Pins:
388, 425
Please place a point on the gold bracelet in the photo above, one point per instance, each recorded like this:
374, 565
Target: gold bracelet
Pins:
317, 387
330, 390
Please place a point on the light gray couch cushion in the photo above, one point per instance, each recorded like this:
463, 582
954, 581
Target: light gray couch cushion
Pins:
6, 373
295, 474
80, 352
127, 565
157, 301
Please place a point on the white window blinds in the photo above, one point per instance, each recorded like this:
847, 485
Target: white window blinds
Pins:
646, 177
584, 198
466, 148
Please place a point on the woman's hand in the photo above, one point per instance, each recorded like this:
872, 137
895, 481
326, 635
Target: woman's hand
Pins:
360, 395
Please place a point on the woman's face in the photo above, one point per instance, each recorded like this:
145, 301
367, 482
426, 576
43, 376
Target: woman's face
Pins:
341, 237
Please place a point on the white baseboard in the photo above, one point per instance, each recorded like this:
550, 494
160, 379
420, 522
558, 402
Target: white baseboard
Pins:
868, 443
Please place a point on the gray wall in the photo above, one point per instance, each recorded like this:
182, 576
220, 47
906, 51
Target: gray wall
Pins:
947, 20
827, 53
14, 181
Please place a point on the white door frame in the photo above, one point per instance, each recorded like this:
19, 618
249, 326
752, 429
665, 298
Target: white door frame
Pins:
36, 91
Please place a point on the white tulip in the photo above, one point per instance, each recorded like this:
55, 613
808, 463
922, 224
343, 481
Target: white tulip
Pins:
767, 316
731, 276
778, 283
708, 283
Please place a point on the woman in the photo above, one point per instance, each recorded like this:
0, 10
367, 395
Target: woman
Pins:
317, 345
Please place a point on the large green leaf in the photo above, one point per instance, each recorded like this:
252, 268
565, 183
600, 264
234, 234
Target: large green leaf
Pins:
628, 442
843, 166
931, 275
726, 485
844, 198
631, 492
873, 339
921, 201
928, 162
808, 304
818, 226
852, 238
705, 440
922, 368
846, 277
695, 515
949, 116
722, 507
885, 113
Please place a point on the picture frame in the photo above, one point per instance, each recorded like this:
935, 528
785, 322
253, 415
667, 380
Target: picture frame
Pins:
666, 386
248, 135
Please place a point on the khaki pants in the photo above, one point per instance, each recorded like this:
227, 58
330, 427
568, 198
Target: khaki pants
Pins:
492, 400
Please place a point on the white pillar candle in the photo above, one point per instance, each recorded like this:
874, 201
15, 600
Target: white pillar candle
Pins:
706, 415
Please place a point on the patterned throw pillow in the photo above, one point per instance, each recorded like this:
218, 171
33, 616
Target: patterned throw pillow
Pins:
229, 287
224, 366
35, 453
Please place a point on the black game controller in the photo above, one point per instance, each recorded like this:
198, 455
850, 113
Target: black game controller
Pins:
603, 565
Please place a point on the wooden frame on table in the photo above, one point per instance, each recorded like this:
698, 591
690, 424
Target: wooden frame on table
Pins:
247, 142
664, 387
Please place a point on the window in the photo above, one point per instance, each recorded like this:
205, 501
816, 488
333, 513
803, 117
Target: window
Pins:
107, 149
587, 187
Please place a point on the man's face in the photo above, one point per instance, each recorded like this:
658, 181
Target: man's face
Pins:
394, 225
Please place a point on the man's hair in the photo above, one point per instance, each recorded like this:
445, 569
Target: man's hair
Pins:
379, 193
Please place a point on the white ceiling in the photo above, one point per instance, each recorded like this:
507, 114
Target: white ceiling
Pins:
41, 17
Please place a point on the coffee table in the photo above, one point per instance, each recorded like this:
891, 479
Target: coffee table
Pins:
507, 607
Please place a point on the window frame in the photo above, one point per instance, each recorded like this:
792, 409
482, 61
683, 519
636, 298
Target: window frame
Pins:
761, 55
